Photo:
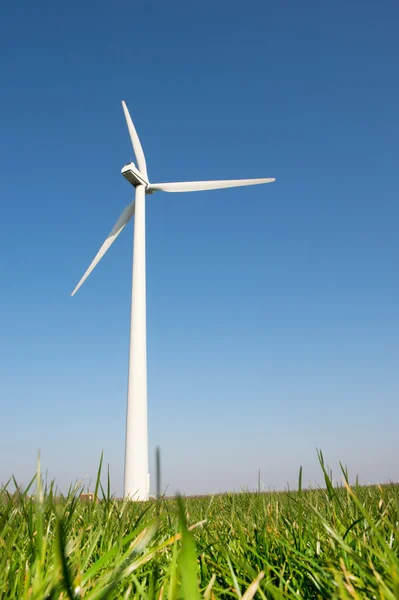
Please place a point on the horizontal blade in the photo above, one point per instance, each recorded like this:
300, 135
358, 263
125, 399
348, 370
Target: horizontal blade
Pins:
197, 186
138, 150
125, 217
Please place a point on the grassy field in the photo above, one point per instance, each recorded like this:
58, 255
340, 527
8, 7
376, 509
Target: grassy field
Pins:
326, 543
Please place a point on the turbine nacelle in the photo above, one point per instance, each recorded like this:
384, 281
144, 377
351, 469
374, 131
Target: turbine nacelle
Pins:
133, 175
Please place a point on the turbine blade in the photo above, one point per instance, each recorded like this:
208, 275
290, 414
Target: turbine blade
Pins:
196, 186
125, 217
138, 150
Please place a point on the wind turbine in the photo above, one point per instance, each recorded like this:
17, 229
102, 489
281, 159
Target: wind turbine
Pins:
136, 484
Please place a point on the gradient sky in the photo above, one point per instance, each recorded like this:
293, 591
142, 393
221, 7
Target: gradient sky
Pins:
272, 311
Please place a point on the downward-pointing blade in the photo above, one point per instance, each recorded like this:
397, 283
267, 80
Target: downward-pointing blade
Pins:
138, 150
125, 217
197, 186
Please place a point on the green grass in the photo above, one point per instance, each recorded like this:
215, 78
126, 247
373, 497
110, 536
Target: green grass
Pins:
327, 543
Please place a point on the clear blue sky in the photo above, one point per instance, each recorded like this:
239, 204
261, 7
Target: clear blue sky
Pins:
272, 311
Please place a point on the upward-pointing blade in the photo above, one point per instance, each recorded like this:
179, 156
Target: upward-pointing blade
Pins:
197, 186
138, 150
125, 217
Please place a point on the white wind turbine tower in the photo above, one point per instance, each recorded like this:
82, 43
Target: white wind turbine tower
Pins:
136, 485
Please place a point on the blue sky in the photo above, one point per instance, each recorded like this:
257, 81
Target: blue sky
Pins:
272, 311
